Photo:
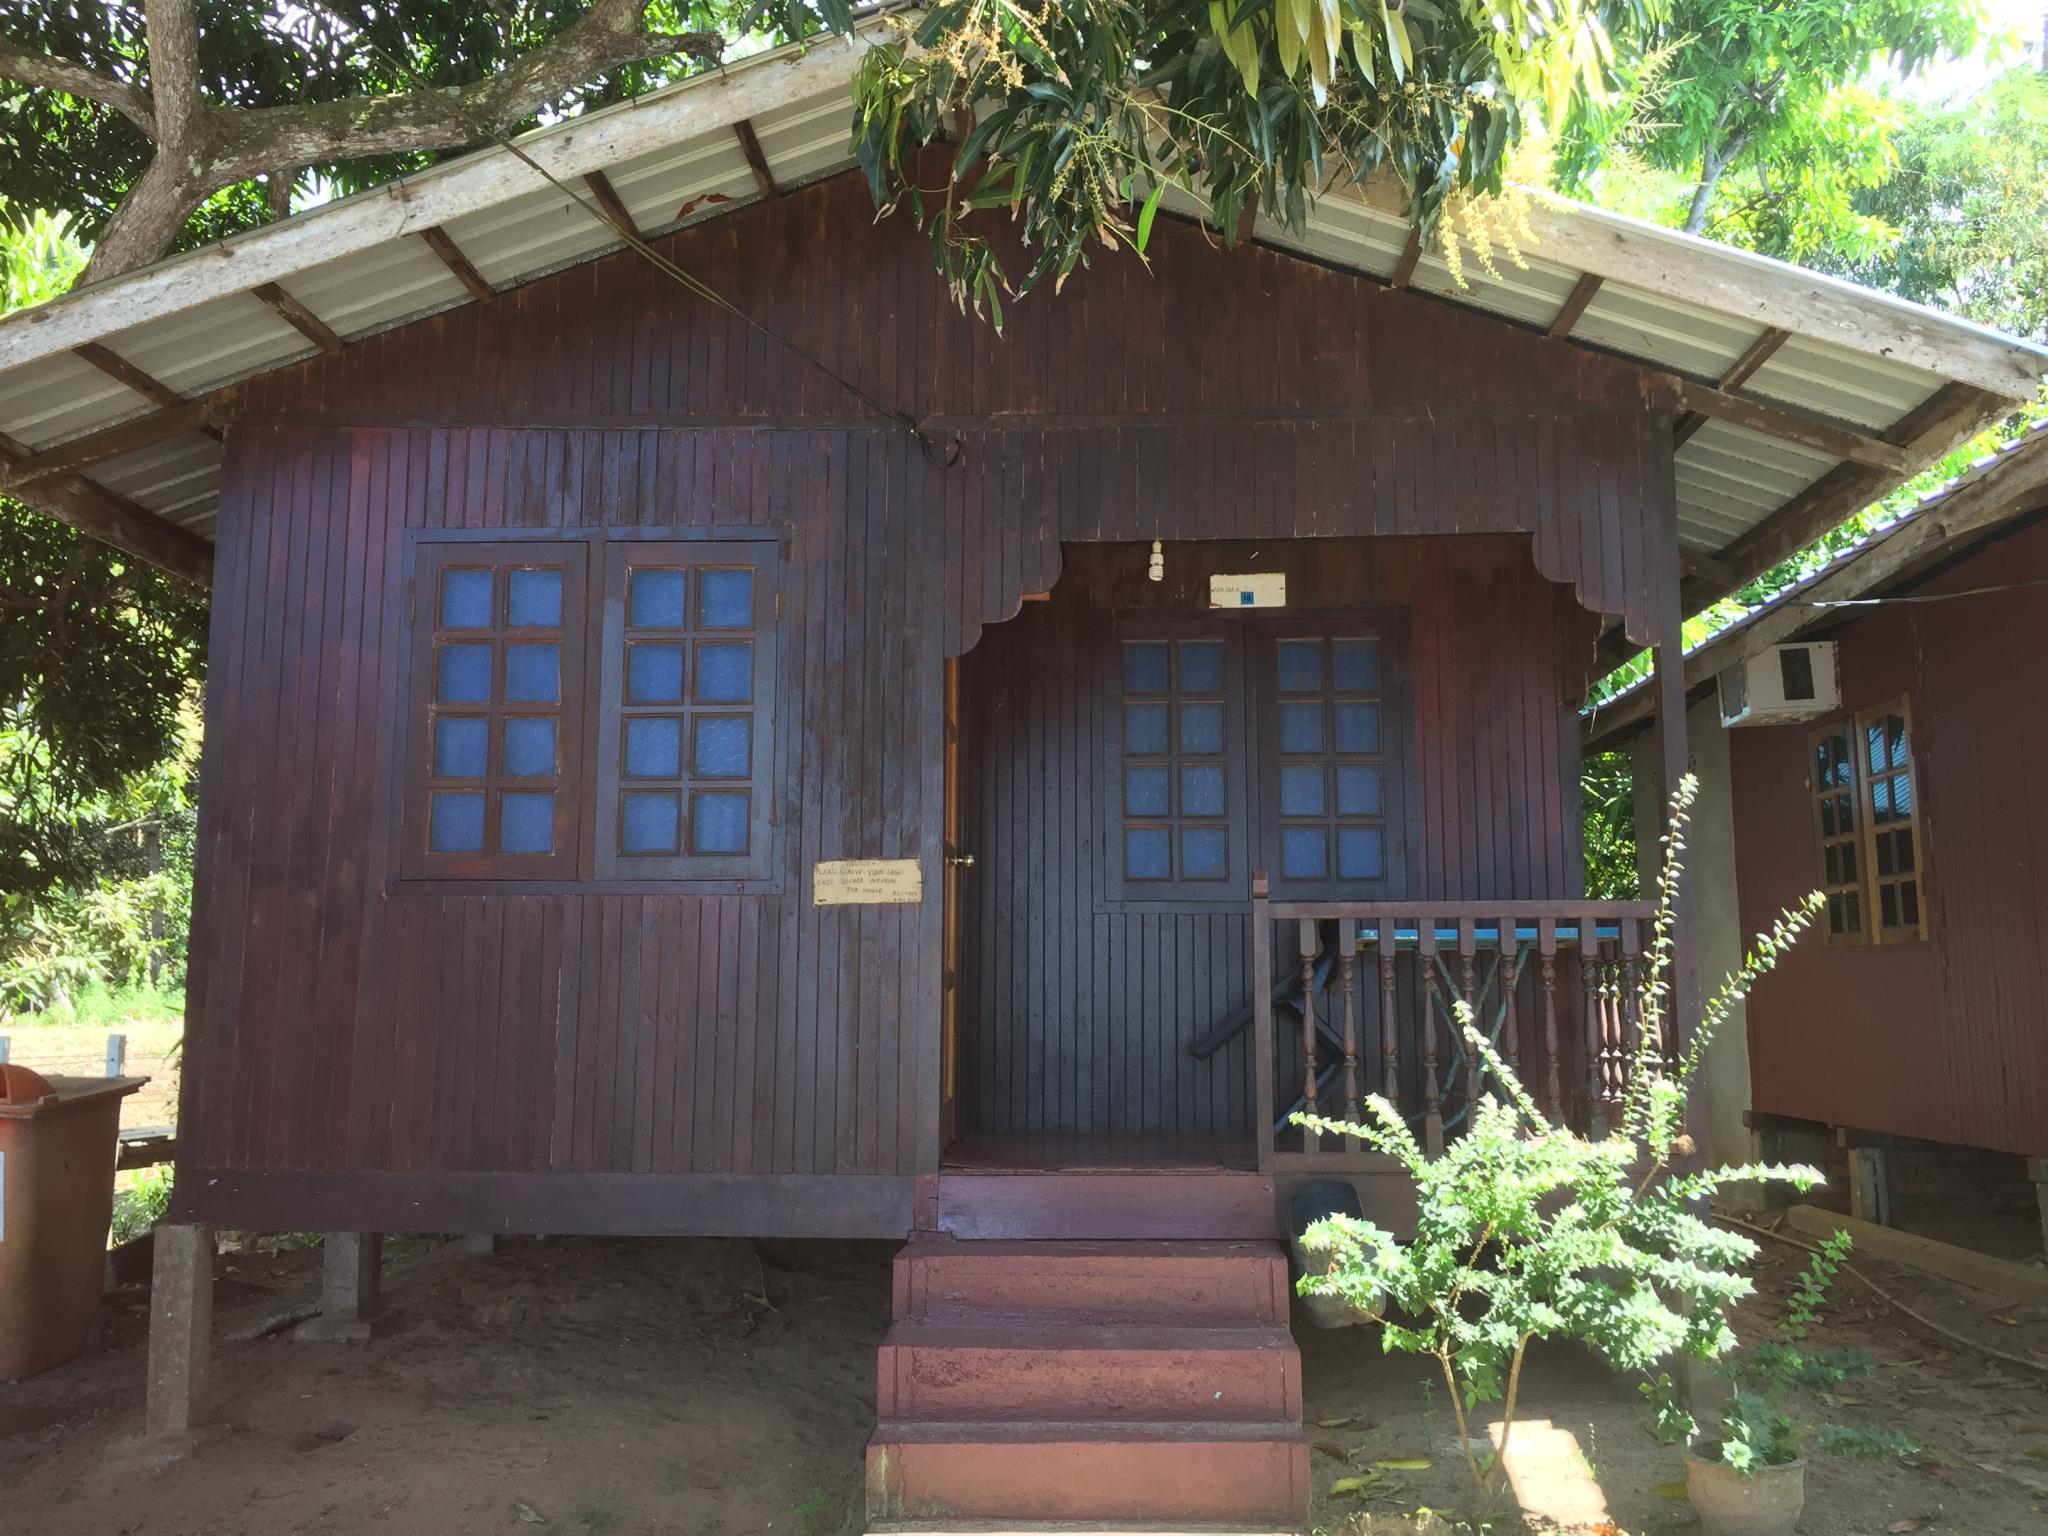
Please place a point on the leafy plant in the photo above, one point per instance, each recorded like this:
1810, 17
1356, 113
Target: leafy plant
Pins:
1756, 1430
1527, 1231
144, 1203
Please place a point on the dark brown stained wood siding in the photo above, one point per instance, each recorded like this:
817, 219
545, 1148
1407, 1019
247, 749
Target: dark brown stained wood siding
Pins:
1942, 1039
343, 1019
1077, 1014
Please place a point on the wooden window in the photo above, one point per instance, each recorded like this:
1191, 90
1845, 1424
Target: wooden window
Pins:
493, 787
1868, 827
1175, 775
686, 685
1329, 809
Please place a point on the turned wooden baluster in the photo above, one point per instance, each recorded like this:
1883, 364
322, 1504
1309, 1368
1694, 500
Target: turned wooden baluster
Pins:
1510, 1029
1468, 987
1546, 954
1308, 1029
1592, 1040
1390, 1018
1629, 1013
1432, 1107
1347, 980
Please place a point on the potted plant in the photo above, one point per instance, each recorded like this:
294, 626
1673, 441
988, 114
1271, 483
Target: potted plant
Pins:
1750, 1480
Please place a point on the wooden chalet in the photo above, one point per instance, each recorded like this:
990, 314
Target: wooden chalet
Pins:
649, 790
1914, 1015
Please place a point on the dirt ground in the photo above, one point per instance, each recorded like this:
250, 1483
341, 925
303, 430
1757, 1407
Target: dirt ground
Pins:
611, 1386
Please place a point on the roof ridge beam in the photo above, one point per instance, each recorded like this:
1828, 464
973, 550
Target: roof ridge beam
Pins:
1791, 426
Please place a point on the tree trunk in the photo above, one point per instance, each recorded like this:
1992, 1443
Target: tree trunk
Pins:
1712, 166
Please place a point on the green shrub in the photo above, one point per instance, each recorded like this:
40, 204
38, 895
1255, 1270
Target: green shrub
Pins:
144, 1203
1527, 1231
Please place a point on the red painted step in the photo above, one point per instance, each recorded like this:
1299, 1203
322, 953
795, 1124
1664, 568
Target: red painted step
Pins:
1241, 1284
1207, 1474
1184, 1204
936, 1371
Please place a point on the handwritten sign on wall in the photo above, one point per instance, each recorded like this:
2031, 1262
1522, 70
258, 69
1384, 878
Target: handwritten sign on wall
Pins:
866, 882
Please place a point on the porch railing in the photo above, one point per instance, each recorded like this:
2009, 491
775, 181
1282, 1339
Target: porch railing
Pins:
1365, 1005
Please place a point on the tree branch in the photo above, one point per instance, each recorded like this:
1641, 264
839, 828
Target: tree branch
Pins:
49, 73
173, 70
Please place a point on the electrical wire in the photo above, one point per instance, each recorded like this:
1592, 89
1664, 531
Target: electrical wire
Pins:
945, 456
1917, 597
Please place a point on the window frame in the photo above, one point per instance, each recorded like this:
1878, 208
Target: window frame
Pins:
574, 869
418, 859
1388, 634
612, 710
1872, 933
1173, 893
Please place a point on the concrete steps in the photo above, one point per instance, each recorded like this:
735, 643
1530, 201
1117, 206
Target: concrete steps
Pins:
1043, 1375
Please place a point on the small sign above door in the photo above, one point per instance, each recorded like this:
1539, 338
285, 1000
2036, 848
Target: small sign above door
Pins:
866, 883
1256, 589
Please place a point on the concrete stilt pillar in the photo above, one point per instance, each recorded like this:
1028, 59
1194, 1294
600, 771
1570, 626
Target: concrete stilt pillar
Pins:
350, 1300
1873, 1195
2037, 1170
180, 1332
483, 1244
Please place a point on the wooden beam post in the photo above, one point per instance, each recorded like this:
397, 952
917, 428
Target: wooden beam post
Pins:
757, 161
298, 316
609, 200
1737, 373
1674, 761
443, 245
114, 520
1411, 256
115, 366
108, 443
1575, 304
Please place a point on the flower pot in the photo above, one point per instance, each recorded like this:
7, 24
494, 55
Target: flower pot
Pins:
1766, 1502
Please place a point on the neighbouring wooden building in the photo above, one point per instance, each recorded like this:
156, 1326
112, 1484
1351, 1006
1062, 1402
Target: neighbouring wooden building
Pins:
1915, 1013
649, 790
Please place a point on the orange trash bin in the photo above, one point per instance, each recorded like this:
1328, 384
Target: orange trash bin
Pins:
59, 1140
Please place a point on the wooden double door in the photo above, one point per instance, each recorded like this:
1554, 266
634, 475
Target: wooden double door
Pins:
1125, 757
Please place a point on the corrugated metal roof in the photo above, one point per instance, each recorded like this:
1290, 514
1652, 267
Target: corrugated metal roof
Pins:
191, 323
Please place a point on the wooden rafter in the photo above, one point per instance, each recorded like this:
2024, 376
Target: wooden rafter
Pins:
609, 200
1411, 255
443, 245
298, 317
1839, 442
757, 162
114, 519
2011, 488
108, 443
115, 366
1737, 373
1575, 303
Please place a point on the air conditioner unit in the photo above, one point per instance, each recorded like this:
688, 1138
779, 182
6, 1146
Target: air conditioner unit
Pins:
1780, 685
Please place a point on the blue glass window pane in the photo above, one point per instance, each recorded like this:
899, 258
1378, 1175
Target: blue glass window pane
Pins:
1301, 791
533, 599
654, 747
725, 672
718, 822
1303, 855
1145, 854
1301, 727
1874, 734
459, 746
455, 823
465, 599
654, 674
1361, 853
1358, 790
724, 746
463, 674
1902, 795
530, 749
1358, 727
1144, 729
1201, 789
526, 823
655, 599
647, 822
1301, 666
1201, 666
1357, 666
1201, 853
1201, 727
725, 599
1881, 801
1145, 792
1145, 667
1895, 727
533, 673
